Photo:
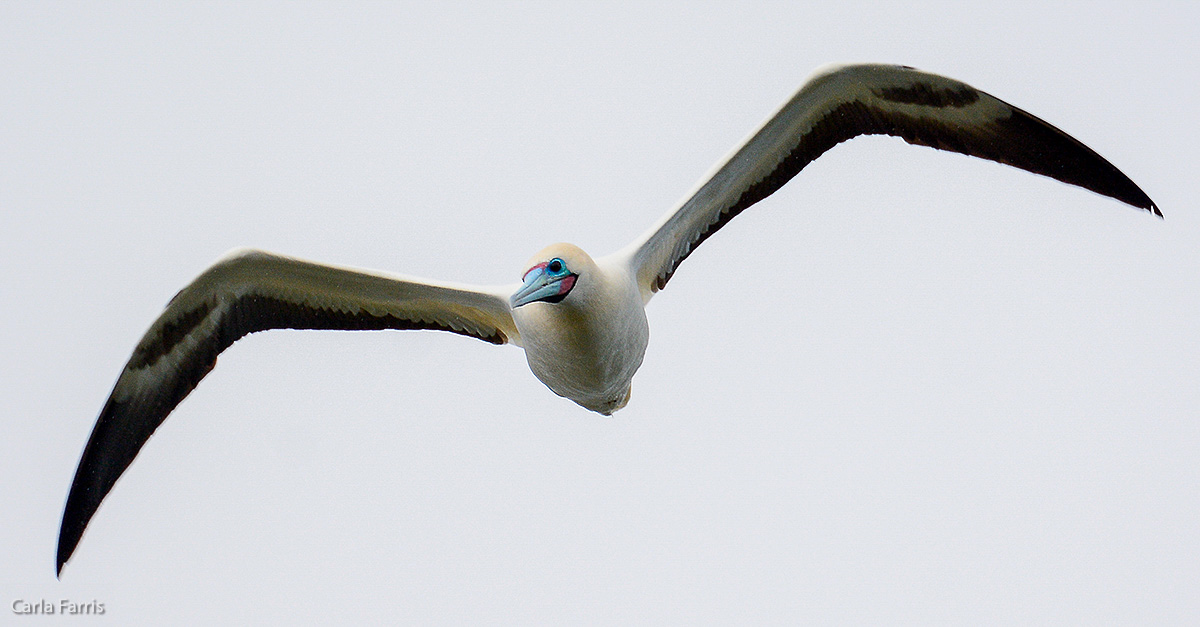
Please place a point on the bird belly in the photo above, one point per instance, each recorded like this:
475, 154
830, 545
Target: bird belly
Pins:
591, 364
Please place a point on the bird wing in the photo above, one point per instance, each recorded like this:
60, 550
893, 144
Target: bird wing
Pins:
843, 102
245, 292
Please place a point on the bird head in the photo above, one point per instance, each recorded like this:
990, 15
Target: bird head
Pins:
552, 275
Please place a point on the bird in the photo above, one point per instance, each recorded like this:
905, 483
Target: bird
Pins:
580, 320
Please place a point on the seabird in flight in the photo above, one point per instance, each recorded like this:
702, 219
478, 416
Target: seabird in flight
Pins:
581, 321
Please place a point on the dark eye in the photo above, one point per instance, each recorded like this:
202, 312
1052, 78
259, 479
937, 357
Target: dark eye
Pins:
555, 266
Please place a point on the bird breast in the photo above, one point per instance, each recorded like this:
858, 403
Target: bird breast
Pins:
588, 347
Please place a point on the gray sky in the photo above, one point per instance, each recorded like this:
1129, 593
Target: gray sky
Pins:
909, 387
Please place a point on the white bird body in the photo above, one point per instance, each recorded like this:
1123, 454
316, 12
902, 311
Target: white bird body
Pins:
587, 347
581, 321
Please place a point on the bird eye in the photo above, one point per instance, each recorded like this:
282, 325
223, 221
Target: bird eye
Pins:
555, 266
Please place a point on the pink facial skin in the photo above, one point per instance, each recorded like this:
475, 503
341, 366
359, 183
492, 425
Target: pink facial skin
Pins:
526, 275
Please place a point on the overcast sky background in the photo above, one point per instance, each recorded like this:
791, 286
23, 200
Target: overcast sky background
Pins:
909, 387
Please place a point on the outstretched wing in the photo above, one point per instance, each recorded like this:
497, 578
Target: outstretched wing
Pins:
844, 102
245, 292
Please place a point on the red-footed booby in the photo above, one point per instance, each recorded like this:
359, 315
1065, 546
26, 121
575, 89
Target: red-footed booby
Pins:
581, 320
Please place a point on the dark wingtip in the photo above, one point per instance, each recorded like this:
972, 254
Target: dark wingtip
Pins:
69, 533
114, 442
66, 546
1126, 191
1034, 145
1140, 200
